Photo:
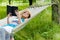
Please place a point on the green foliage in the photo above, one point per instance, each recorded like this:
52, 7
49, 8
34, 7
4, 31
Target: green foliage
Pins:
23, 7
34, 1
0, 1
24, 1
2, 12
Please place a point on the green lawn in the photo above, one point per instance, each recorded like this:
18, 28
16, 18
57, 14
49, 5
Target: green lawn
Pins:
39, 28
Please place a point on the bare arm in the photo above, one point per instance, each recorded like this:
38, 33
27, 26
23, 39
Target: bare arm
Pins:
8, 18
18, 16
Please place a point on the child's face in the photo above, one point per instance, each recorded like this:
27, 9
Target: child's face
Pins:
25, 14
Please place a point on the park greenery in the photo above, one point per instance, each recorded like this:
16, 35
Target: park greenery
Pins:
41, 27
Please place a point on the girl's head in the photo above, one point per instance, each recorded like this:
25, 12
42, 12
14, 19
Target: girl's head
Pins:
26, 14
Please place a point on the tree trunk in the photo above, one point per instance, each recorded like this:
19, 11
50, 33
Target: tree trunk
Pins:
59, 12
56, 11
30, 2
9, 1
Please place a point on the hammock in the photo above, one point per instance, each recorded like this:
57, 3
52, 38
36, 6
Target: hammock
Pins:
11, 29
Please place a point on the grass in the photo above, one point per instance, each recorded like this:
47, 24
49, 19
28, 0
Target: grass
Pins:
2, 12
39, 28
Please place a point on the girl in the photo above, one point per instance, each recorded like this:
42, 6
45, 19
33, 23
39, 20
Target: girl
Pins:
20, 14
24, 14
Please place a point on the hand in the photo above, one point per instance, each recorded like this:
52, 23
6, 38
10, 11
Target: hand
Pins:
19, 22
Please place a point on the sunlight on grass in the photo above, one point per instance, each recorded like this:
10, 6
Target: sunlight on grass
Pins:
56, 36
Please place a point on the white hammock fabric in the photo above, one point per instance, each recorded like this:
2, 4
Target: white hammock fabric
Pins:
9, 29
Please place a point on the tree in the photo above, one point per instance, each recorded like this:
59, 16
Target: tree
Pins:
30, 2
56, 11
59, 10
9, 1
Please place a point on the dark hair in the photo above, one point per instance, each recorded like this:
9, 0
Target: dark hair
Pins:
29, 16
